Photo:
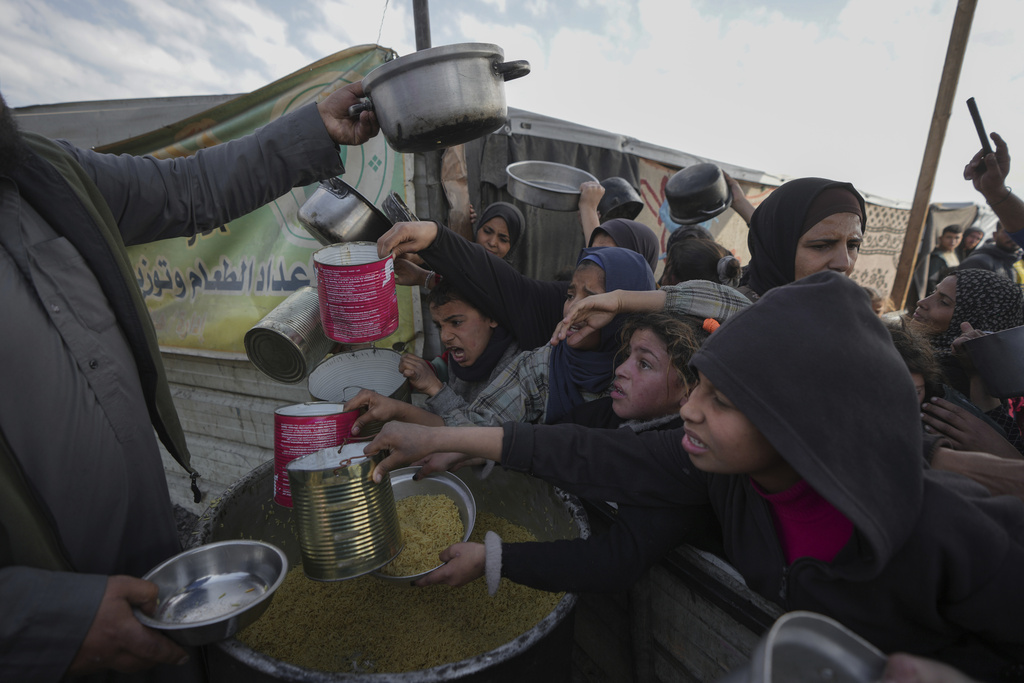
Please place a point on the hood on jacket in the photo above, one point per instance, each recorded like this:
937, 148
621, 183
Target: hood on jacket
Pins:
814, 369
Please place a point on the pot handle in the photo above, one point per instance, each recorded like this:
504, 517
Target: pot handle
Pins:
364, 104
512, 70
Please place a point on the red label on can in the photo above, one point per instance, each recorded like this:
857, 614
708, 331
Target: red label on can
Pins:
303, 429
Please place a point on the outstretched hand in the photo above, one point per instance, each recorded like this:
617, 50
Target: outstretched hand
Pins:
904, 668
967, 332
374, 408
591, 193
410, 444
421, 374
965, 431
117, 640
344, 129
988, 171
407, 238
586, 316
465, 562
408, 273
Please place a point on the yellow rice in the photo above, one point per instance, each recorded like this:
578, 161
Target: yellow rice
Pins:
429, 525
368, 625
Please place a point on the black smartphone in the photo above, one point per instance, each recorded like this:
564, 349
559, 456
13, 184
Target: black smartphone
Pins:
979, 126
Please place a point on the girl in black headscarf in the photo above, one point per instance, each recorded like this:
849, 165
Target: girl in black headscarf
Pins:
499, 228
805, 226
627, 234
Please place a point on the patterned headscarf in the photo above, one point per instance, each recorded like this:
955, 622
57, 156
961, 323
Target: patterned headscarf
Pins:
984, 299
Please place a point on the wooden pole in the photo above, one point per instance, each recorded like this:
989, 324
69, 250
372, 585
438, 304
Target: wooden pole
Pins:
933, 148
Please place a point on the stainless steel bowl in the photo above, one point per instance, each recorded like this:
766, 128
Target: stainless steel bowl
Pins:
547, 185
997, 358
211, 592
439, 483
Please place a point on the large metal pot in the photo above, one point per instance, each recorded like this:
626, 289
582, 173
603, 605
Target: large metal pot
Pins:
541, 654
442, 96
337, 213
547, 184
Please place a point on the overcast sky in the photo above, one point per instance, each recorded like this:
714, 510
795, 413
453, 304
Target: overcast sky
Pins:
841, 89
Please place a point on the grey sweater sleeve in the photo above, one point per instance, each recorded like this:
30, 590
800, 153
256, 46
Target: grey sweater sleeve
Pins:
153, 199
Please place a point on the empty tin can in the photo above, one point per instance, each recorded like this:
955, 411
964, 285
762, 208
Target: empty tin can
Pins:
289, 341
348, 525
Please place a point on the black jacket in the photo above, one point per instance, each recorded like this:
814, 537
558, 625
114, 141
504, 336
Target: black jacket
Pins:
990, 257
934, 564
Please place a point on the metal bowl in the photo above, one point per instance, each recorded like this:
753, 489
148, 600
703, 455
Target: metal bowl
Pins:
620, 200
336, 212
697, 193
547, 185
211, 592
997, 358
444, 483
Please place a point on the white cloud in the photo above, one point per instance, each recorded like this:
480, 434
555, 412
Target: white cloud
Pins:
852, 98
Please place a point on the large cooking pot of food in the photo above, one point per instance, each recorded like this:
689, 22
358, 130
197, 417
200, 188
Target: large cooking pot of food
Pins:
367, 630
441, 96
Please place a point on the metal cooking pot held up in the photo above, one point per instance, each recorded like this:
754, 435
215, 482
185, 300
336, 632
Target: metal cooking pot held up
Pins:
441, 96
337, 213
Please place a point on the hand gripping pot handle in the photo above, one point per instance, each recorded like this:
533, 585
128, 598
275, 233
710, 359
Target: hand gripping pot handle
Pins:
365, 104
507, 70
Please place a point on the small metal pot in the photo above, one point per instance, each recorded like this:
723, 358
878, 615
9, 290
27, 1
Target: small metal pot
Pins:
337, 213
996, 357
697, 193
440, 97
810, 648
620, 200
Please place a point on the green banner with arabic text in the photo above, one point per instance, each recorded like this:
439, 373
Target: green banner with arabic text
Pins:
204, 293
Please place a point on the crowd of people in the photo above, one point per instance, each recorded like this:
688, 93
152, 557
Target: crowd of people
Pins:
843, 458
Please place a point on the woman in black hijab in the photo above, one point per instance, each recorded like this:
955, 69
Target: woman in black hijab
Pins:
805, 226
627, 234
499, 228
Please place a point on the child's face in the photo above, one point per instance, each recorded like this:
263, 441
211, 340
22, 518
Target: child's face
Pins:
949, 240
493, 236
935, 311
464, 331
720, 439
586, 281
919, 386
647, 385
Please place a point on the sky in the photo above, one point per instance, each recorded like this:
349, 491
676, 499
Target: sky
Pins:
833, 88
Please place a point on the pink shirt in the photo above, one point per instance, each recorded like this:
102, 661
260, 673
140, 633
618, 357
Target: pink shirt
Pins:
807, 524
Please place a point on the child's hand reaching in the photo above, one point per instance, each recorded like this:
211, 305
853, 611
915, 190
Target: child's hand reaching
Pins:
421, 374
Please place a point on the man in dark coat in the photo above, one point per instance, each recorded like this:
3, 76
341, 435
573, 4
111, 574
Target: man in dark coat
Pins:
997, 254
